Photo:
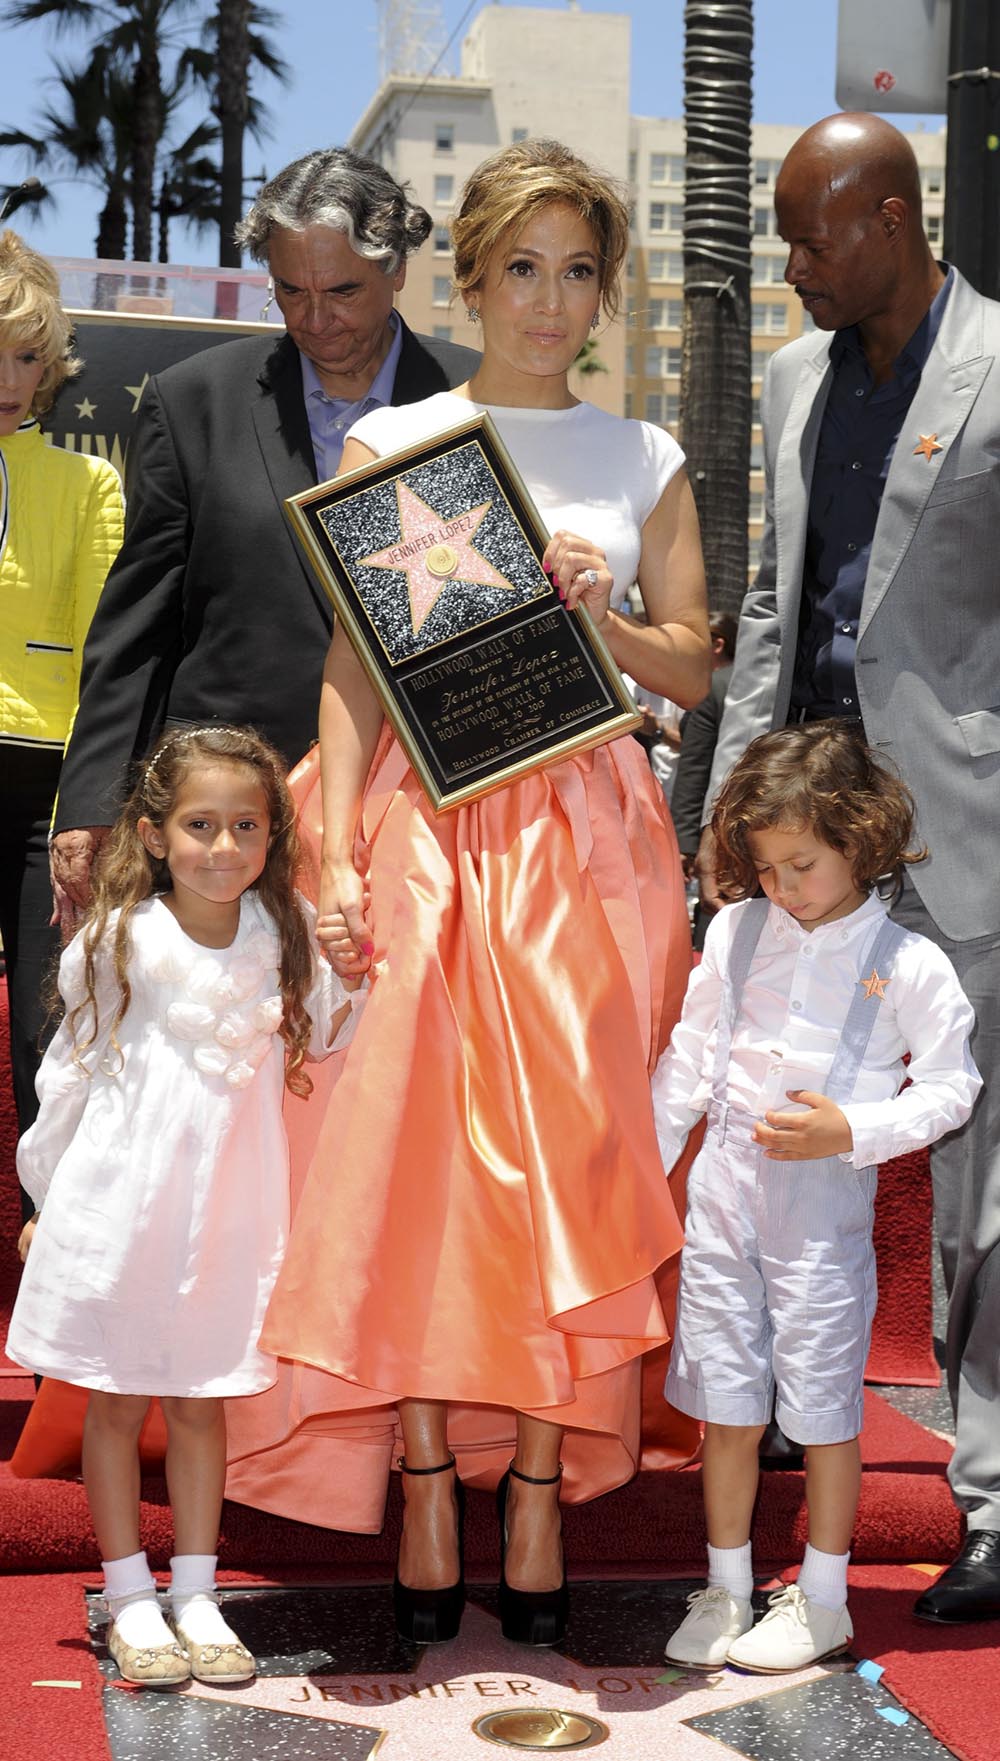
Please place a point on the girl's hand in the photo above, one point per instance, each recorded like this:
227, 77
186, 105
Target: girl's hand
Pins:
342, 927
805, 1137
26, 1237
580, 571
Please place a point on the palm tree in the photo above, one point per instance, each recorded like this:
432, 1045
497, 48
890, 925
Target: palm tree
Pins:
134, 37
233, 47
715, 380
89, 134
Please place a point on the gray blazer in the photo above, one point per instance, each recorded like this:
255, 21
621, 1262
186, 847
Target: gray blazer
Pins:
928, 655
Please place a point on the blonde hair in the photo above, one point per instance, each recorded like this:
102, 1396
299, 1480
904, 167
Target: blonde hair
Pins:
506, 190
31, 314
127, 873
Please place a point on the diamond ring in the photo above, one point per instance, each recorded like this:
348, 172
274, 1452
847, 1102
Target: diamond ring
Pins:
590, 576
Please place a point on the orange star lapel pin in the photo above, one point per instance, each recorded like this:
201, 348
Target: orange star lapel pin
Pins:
928, 444
874, 985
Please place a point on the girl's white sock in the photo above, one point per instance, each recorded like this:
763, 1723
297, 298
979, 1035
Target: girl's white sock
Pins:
823, 1577
731, 1568
130, 1593
192, 1598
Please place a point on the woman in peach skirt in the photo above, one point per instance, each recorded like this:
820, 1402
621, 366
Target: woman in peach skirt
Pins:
473, 1260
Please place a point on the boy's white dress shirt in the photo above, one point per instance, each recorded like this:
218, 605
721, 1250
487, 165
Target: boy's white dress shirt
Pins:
794, 1002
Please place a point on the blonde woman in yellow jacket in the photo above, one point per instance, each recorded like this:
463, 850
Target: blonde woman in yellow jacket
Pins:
60, 530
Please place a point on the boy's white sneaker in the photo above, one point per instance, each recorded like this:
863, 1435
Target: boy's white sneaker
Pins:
793, 1633
714, 1619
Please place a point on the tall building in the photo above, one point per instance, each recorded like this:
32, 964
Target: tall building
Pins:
565, 74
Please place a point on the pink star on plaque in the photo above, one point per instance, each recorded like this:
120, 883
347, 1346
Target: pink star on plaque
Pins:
433, 552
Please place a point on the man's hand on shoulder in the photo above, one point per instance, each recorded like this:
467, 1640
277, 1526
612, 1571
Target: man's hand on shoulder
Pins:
71, 857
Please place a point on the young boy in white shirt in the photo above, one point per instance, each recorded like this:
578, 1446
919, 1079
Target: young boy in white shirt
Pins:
792, 1040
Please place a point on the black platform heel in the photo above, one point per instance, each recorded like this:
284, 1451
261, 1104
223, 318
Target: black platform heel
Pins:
429, 1617
529, 1617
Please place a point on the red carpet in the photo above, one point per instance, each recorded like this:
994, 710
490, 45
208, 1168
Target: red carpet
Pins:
948, 1676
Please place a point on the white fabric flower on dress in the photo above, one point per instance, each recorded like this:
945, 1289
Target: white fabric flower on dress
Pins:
267, 1015
211, 1060
191, 1021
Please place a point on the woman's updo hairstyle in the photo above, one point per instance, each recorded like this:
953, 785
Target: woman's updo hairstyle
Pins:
511, 186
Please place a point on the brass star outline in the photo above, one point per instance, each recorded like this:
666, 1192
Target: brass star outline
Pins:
874, 986
928, 445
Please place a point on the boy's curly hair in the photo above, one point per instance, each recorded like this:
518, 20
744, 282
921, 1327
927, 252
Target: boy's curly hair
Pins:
821, 775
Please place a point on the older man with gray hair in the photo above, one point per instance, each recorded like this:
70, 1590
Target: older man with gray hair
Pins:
210, 613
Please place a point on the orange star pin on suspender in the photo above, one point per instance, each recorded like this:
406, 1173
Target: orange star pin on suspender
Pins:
928, 445
873, 985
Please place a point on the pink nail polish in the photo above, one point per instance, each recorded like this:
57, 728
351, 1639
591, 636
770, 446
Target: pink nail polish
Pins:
368, 947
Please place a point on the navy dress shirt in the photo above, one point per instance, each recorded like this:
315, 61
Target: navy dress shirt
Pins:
857, 440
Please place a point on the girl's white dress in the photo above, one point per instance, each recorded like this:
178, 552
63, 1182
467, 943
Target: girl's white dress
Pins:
164, 1172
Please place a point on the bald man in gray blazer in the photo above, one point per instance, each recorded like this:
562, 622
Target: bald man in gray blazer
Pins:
878, 598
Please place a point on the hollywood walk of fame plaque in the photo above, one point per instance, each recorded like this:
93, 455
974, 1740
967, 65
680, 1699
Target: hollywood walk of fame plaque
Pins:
432, 560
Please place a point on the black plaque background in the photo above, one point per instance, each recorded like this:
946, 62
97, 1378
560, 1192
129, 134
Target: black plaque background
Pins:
526, 687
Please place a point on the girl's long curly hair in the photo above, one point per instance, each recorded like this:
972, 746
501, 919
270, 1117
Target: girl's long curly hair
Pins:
127, 873
821, 775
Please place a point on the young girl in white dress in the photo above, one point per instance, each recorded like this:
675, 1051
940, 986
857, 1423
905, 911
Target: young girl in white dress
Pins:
192, 995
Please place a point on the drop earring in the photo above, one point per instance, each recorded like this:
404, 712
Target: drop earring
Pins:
472, 314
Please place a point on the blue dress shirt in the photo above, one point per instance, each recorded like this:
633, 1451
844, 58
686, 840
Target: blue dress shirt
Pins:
330, 418
861, 427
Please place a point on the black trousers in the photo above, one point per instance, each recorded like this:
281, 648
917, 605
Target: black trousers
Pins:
29, 777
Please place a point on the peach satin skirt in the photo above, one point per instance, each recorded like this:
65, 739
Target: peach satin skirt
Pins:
481, 1215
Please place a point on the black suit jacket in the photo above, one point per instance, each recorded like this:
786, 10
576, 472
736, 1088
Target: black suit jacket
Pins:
210, 613
699, 732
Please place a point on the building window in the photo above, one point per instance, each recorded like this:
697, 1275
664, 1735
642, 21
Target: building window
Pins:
628, 403
444, 190
443, 331
675, 314
444, 137
935, 228
656, 264
675, 217
518, 134
630, 359
442, 290
657, 216
759, 359
753, 554
656, 367
656, 314
442, 241
675, 265
769, 271
757, 455
769, 318
756, 510
755, 412
933, 181
666, 168
633, 163
764, 223
654, 406
672, 409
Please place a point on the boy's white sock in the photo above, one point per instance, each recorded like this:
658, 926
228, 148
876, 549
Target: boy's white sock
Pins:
823, 1577
192, 1598
731, 1568
130, 1593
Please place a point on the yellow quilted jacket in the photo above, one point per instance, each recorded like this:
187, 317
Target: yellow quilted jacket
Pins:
64, 518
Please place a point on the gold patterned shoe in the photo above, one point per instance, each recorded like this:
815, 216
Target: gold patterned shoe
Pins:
148, 1666
217, 1662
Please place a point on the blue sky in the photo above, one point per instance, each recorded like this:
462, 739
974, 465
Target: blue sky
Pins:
331, 46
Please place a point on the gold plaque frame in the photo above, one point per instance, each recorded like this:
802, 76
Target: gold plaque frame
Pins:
431, 558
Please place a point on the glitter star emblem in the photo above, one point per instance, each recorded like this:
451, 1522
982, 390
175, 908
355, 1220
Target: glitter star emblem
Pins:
874, 986
434, 552
927, 444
